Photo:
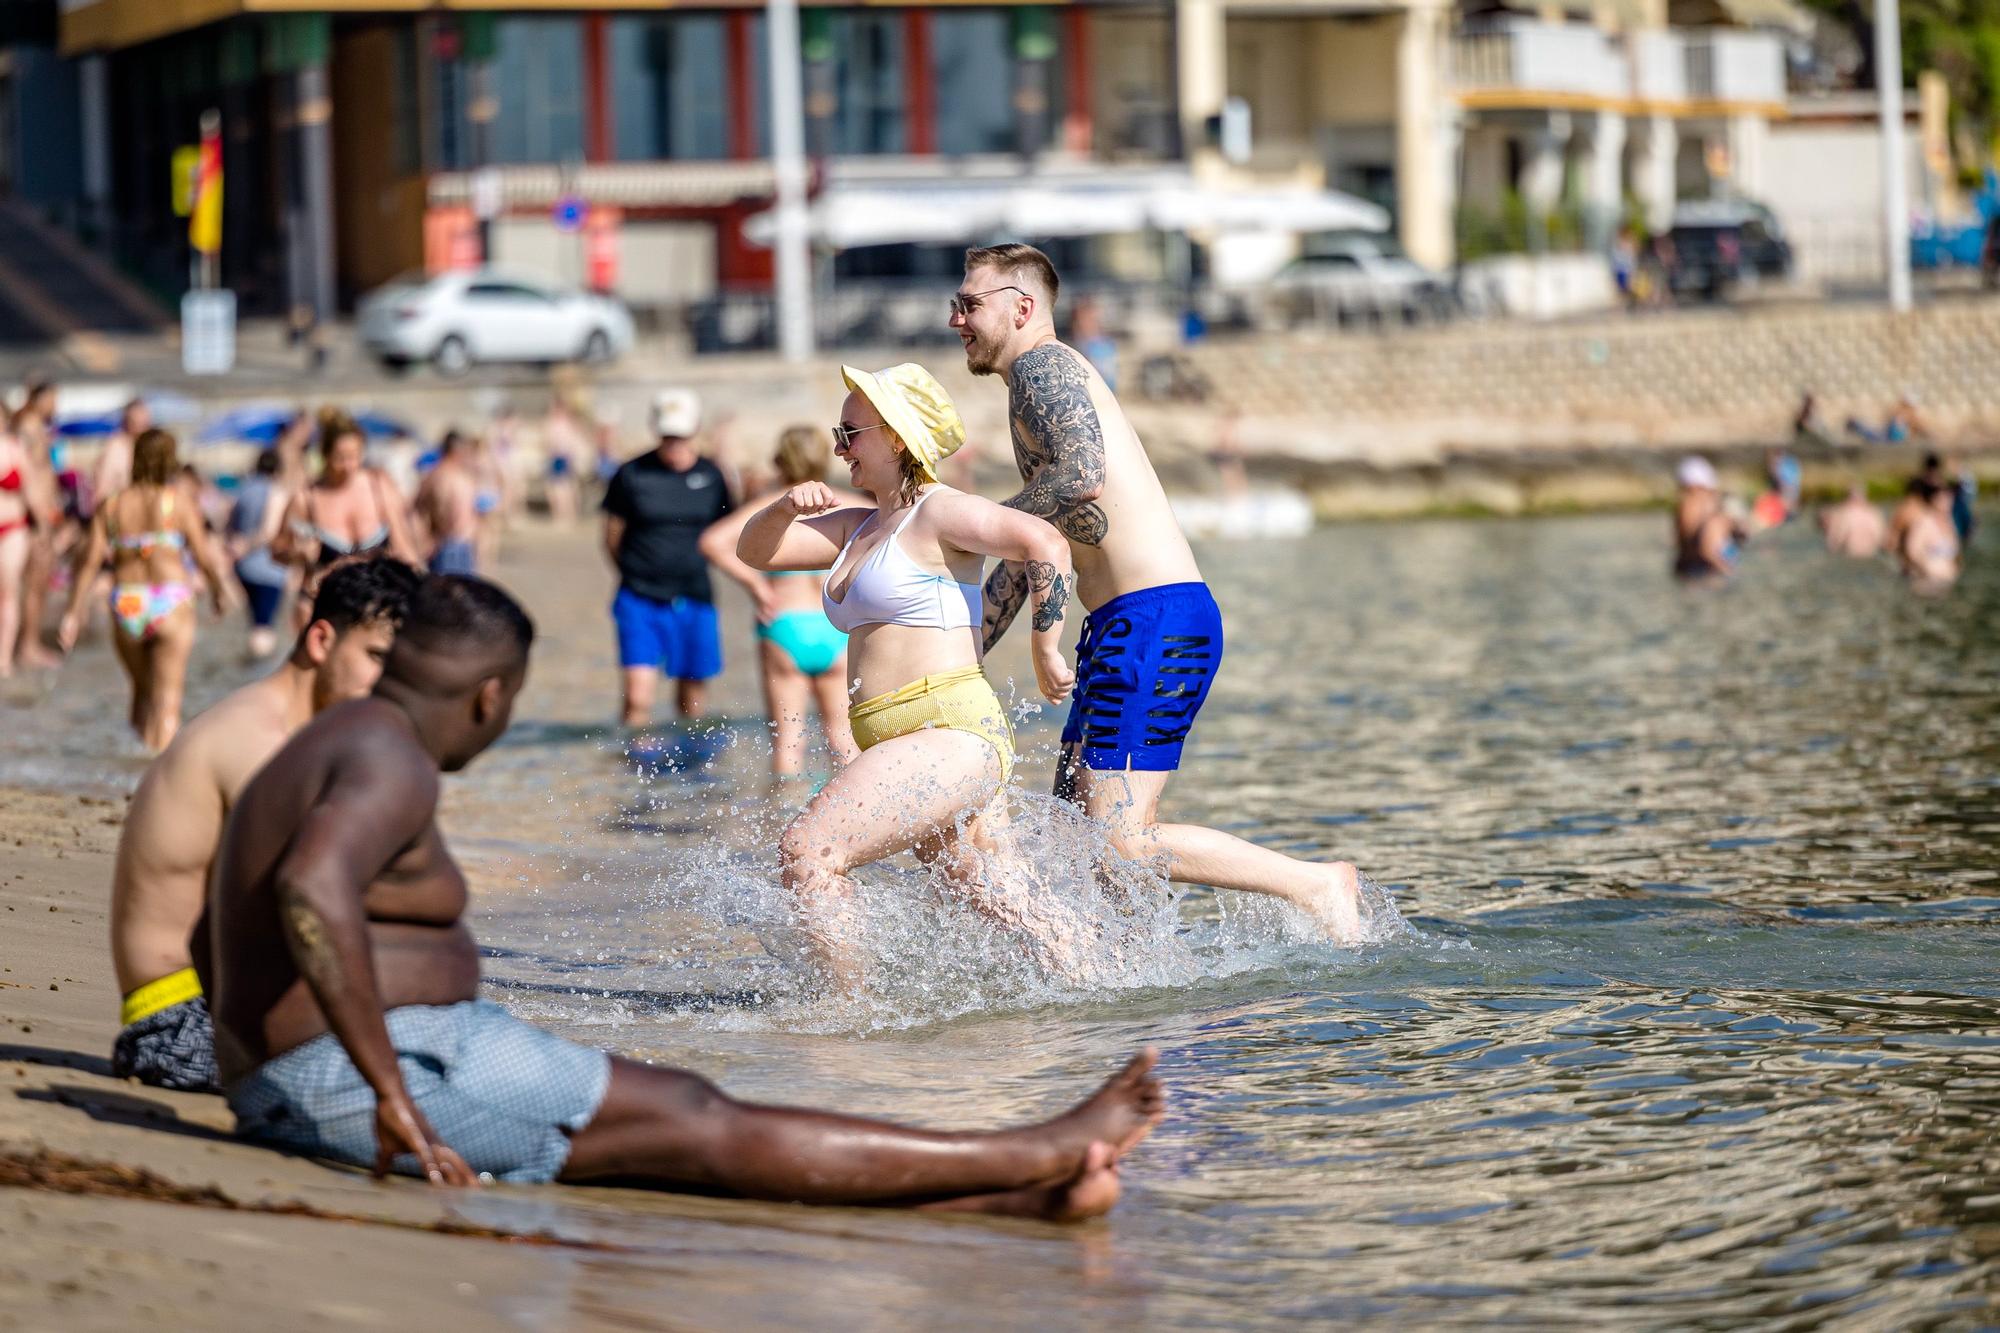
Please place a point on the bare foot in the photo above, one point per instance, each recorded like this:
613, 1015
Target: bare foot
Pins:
1337, 907
37, 658
1089, 1192
1120, 1113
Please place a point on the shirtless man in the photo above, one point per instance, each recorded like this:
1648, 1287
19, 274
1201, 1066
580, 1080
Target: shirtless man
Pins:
1705, 537
1153, 640
448, 501
1854, 527
347, 1017
161, 874
114, 465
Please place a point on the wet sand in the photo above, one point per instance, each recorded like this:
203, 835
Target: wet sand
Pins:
624, 1259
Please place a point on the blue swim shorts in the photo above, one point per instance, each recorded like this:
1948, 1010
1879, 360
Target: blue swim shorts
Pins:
500, 1091
683, 638
1143, 670
455, 555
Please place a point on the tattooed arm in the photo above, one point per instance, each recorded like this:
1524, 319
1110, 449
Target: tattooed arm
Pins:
1033, 548
380, 797
1059, 447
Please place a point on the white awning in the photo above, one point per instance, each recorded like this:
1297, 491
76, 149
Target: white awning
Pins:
847, 216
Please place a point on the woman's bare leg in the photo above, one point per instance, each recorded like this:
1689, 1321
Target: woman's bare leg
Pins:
787, 694
830, 689
135, 656
34, 596
676, 1130
13, 565
891, 798
171, 646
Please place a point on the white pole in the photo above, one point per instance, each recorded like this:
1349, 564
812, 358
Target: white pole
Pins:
1895, 205
788, 162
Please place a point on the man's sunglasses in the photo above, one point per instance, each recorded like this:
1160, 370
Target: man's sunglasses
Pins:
843, 436
961, 306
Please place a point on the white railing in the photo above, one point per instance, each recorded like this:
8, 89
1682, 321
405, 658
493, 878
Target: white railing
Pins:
1541, 57
1576, 59
1729, 65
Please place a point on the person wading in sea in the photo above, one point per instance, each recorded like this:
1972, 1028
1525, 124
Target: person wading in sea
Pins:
1152, 642
344, 986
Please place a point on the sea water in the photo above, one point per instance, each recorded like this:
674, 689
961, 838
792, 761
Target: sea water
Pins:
1681, 1010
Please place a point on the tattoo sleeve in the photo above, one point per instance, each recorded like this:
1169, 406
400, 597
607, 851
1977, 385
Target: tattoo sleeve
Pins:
1051, 592
1058, 443
1006, 590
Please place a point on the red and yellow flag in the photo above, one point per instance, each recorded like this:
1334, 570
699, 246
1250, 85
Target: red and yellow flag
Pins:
205, 219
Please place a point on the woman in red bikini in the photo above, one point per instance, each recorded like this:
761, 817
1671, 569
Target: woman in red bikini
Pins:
150, 530
21, 507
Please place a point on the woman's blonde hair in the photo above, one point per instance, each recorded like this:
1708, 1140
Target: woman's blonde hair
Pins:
155, 458
804, 454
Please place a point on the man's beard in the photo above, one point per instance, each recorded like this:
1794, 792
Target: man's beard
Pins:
982, 357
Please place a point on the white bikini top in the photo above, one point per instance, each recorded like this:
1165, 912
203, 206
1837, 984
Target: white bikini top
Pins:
889, 588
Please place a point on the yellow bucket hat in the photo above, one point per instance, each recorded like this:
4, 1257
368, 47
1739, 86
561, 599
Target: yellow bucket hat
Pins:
916, 407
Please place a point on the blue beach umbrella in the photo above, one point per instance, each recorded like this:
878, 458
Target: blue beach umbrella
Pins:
262, 423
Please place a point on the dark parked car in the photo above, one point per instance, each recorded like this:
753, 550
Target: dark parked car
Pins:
1717, 246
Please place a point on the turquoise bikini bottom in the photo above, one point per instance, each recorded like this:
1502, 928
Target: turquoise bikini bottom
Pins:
808, 638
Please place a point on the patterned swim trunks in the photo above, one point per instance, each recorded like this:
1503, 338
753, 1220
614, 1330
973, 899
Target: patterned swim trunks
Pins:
502, 1092
167, 1041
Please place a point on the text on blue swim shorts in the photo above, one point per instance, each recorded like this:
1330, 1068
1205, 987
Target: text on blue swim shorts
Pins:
1144, 667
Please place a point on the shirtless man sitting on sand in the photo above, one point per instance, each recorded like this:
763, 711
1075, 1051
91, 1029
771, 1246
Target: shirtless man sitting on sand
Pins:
1152, 642
347, 1017
160, 880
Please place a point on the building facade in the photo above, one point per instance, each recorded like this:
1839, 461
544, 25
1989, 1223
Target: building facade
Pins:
367, 138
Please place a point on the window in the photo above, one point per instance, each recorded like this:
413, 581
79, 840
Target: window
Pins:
503, 291
539, 78
868, 79
670, 86
972, 64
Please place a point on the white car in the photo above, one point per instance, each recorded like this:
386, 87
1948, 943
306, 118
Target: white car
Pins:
1359, 276
459, 320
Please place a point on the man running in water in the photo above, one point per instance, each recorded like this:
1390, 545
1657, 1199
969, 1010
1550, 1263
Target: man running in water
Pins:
347, 1017
160, 878
1153, 639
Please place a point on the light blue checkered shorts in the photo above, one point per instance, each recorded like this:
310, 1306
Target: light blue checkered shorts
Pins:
499, 1090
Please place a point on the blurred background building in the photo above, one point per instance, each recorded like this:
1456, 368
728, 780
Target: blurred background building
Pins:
625, 146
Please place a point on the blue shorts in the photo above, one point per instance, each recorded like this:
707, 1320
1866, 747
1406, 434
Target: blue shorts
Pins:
455, 555
262, 599
503, 1093
1143, 670
682, 638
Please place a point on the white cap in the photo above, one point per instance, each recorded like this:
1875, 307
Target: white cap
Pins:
676, 413
1697, 473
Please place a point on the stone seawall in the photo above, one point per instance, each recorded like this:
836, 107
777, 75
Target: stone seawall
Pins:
1586, 414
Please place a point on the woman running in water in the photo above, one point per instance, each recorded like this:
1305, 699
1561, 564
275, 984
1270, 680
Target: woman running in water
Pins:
150, 530
801, 656
936, 749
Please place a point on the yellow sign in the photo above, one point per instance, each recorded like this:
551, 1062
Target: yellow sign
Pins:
187, 166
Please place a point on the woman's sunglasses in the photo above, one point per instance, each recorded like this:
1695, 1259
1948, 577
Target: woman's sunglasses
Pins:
843, 436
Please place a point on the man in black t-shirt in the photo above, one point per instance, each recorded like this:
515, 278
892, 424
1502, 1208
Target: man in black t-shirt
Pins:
654, 514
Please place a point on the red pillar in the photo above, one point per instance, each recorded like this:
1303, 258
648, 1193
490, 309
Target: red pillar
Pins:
1078, 131
919, 90
597, 140
742, 86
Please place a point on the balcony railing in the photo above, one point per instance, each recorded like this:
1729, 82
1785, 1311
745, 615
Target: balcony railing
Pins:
1568, 61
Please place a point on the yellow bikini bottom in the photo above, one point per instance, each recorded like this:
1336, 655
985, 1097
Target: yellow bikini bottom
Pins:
168, 991
959, 700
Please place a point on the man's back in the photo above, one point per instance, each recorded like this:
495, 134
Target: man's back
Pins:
164, 851
1127, 539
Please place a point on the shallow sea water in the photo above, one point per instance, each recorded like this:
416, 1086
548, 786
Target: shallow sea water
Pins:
1693, 1021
